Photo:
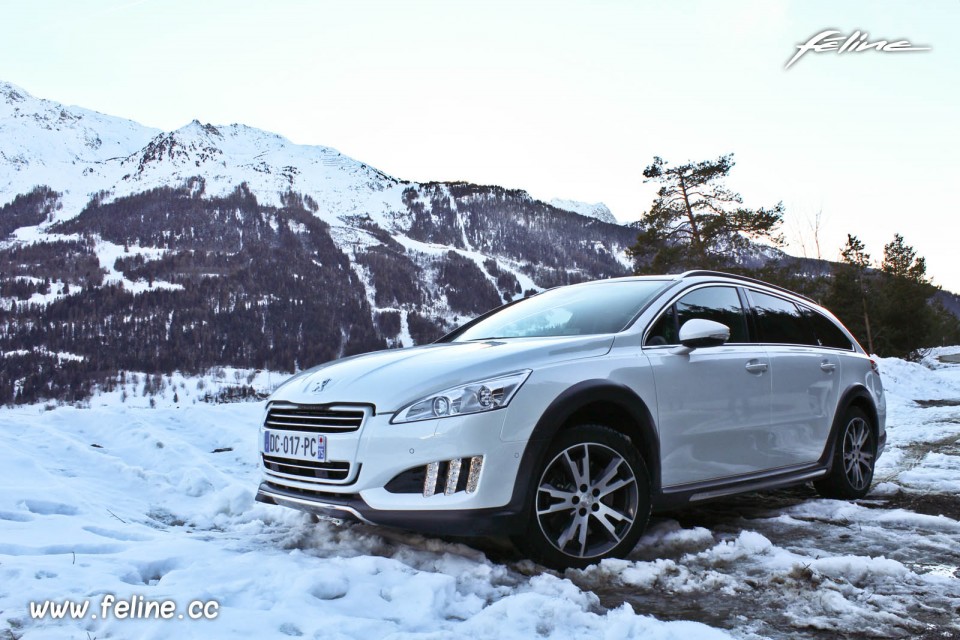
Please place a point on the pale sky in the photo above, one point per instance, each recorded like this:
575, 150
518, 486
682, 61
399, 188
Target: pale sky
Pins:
563, 99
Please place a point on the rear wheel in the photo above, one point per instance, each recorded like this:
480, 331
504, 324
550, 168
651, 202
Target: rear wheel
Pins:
854, 456
591, 501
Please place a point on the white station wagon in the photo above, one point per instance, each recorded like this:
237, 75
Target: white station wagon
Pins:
563, 419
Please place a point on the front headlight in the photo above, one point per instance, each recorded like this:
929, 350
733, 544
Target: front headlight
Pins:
483, 395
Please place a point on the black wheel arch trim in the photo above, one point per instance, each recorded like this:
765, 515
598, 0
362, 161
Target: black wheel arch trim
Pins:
564, 407
860, 396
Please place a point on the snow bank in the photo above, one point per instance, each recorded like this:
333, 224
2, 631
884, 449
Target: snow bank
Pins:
159, 503
128, 500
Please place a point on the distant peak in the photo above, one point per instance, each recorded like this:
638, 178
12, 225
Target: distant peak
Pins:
12, 92
596, 210
208, 128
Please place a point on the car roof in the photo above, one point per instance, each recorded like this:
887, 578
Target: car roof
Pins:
747, 279
706, 275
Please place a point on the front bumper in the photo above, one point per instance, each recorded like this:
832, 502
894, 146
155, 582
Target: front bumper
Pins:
379, 452
351, 507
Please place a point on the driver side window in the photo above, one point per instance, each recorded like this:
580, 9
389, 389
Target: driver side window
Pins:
720, 304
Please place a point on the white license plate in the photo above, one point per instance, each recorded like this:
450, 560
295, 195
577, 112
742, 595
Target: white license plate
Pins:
302, 446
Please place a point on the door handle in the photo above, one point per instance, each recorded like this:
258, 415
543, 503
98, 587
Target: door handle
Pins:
827, 366
756, 367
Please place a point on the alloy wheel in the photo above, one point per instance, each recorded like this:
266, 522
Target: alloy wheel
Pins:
858, 454
587, 500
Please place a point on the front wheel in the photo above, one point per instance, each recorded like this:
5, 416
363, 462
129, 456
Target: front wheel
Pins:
854, 456
591, 500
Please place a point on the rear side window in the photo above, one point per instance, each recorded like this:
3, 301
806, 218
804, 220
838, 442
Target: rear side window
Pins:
720, 304
827, 333
779, 321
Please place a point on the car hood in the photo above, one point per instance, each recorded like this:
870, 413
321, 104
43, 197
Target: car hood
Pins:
391, 379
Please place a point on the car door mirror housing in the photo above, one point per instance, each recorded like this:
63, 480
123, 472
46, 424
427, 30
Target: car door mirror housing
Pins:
698, 333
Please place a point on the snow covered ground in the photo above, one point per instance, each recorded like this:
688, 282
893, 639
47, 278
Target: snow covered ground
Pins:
130, 501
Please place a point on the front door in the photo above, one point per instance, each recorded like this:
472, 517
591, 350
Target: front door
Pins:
713, 404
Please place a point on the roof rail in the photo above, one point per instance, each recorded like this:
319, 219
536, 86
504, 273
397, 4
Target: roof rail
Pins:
707, 272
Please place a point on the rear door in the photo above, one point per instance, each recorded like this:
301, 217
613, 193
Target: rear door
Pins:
805, 376
713, 404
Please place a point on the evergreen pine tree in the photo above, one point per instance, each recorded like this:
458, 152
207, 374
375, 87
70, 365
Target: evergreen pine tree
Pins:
696, 221
907, 320
849, 295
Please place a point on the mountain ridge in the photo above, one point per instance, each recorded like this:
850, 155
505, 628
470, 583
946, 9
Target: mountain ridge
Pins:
130, 248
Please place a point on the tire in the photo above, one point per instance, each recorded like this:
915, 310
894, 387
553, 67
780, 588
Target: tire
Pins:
577, 513
854, 456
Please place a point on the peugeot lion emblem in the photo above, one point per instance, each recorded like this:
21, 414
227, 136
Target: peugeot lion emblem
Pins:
320, 386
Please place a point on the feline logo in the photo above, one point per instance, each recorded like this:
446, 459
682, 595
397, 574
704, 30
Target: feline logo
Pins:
856, 42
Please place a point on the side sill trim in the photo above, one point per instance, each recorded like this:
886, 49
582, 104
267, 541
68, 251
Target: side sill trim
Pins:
758, 485
677, 496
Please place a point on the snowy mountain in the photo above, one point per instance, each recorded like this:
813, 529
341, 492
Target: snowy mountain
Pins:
125, 247
74, 151
596, 210
80, 153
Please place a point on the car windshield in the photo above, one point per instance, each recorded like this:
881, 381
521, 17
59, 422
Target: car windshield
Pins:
604, 307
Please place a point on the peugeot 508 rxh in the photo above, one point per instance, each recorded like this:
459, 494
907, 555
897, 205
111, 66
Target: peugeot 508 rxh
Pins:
563, 419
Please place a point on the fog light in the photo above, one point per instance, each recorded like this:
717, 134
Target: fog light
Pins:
453, 477
430, 482
473, 476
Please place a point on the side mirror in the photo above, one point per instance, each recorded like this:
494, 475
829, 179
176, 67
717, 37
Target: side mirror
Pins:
698, 333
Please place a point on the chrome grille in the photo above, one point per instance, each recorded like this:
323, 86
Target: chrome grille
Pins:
314, 418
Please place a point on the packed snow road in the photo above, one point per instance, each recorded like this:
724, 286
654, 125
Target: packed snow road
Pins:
156, 505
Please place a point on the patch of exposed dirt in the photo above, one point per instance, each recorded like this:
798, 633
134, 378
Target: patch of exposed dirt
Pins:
949, 402
931, 504
914, 454
749, 598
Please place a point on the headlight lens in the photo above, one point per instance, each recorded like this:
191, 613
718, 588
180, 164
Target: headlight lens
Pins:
475, 397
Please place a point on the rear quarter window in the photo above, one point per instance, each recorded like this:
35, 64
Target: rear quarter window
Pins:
779, 321
827, 333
